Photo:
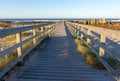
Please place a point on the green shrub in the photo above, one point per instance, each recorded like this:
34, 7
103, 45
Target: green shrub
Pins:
111, 61
83, 49
93, 60
78, 41
89, 55
84, 38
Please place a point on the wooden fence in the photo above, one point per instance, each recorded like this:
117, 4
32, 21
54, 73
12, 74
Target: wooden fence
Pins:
44, 31
77, 30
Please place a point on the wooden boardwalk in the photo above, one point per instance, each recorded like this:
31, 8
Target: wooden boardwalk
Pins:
58, 61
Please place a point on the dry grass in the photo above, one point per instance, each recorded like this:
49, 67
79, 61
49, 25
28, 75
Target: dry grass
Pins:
27, 46
110, 25
10, 38
27, 34
7, 59
7, 42
10, 57
10, 41
5, 23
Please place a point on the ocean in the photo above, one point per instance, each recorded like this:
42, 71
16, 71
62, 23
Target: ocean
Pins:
54, 19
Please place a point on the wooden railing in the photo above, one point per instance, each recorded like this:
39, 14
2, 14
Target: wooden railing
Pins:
44, 31
77, 30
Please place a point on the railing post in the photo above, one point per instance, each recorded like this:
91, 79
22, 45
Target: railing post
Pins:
102, 40
75, 31
101, 51
72, 30
49, 31
89, 33
52, 29
41, 29
18, 40
46, 27
78, 32
34, 33
81, 35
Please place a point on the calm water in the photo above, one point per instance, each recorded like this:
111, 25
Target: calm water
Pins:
51, 19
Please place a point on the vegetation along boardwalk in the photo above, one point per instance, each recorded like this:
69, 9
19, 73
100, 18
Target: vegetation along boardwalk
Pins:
59, 60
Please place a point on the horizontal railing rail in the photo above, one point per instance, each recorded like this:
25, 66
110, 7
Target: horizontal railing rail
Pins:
45, 31
10, 31
77, 30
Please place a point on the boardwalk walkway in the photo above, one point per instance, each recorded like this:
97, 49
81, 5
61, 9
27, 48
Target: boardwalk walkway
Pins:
58, 61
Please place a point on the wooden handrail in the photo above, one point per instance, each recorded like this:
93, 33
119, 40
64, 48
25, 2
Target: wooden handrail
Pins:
74, 29
46, 30
10, 31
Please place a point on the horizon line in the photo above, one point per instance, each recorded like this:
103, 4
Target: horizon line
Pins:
63, 18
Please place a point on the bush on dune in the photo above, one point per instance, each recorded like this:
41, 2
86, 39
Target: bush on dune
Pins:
93, 60
78, 41
90, 56
83, 49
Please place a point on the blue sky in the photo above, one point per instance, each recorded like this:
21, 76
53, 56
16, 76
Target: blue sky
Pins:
59, 8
